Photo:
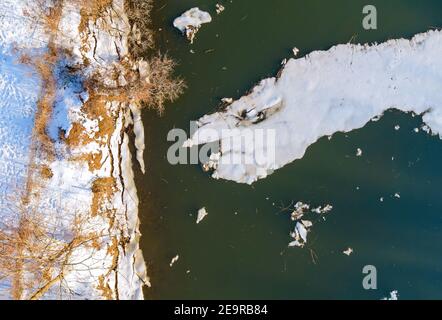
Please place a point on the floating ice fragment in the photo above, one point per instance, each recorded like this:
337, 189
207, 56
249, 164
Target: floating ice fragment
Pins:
227, 100
348, 252
302, 231
394, 295
202, 213
300, 210
358, 152
219, 8
397, 127
307, 223
296, 243
213, 162
190, 22
416, 130
295, 51
397, 195
321, 210
174, 259
426, 129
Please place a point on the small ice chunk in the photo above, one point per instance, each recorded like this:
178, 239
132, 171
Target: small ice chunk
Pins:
295, 51
174, 259
190, 22
397, 195
307, 223
394, 295
219, 8
358, 152
302, 231
348, 252
296, 243
416, 130
202, 213
284, 62
397, 127
227, 100
321, 210
426, 129
381, 199
300, 210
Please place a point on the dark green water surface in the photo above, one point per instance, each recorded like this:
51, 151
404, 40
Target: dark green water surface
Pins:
245, 255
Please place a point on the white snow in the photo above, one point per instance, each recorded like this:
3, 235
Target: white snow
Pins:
67, 194
190, 22
338, 90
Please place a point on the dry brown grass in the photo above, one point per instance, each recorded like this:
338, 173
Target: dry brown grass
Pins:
102, 192
139, 13
46, 172
92, 10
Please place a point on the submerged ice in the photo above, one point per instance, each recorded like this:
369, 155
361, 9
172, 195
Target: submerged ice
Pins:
325, 92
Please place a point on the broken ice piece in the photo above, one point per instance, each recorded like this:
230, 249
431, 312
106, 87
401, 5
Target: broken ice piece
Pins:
190, 22
397, 127
174, 259
219, 8
307, 223
299, 211
202, 213
321, 210
394, 295
295, 51
358, 152
397, 195
296, 243
348, 252
416, 130
426, 129
227, 100
302, 231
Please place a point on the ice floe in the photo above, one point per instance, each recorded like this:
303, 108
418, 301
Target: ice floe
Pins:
190, 22
325, 92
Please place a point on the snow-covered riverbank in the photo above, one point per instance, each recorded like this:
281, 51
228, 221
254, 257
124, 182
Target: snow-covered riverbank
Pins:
338, 90
65, 163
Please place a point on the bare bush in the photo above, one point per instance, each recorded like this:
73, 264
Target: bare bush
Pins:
139, 14
163, 86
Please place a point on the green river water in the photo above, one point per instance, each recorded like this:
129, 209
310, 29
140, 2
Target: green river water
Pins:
240, 250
